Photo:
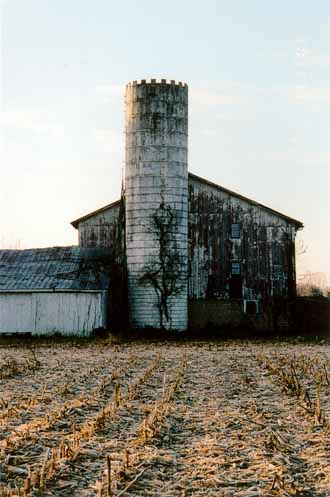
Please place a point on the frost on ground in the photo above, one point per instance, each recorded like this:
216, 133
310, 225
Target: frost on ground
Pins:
235, 418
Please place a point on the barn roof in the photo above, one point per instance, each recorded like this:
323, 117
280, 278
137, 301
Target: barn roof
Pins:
291, 220
297, 223
56, 268
76, 222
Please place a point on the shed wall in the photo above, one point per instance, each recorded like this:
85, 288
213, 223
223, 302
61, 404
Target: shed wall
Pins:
46, 313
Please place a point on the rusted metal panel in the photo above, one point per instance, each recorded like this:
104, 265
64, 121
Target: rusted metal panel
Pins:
264, 248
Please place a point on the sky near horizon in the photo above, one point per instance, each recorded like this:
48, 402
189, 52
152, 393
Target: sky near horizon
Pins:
259, 101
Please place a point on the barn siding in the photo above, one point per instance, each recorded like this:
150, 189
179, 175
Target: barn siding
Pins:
17, 313
265, 248
101, 230
44, 313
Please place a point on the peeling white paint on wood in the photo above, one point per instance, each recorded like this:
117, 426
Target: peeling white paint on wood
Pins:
43, 313
101, 229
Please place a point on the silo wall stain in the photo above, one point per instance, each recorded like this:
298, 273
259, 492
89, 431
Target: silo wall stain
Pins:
156, 182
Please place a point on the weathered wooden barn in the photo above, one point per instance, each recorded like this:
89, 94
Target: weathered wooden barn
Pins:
53, 290
195, 252
175, 251
241, 255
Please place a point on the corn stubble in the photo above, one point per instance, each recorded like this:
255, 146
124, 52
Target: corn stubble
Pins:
236, 419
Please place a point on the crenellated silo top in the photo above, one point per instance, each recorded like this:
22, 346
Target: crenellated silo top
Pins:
152, 81
156, 96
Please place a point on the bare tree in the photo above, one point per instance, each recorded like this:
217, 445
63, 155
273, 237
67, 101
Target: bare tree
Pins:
165, 271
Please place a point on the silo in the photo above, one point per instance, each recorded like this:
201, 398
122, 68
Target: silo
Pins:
156, 203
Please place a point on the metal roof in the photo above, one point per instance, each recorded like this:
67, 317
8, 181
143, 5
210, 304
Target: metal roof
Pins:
55, 269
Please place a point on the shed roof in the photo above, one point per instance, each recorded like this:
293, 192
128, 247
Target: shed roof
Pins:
56, 268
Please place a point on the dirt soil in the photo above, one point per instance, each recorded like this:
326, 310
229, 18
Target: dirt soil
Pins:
172, 419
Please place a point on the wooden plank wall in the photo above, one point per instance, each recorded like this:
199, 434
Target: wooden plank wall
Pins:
46, 313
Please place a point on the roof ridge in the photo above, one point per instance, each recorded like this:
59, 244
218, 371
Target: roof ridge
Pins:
208, 182
247, 199
93, 213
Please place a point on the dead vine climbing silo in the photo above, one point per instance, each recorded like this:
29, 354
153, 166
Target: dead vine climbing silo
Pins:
156, 200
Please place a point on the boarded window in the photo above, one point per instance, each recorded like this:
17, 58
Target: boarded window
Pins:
235, 268
235, 230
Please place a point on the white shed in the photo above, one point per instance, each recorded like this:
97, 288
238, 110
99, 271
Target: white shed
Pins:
53, 290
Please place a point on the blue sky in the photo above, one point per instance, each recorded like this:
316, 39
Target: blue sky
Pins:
258, 75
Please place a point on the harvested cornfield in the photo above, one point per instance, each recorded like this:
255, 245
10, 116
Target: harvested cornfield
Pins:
95, 419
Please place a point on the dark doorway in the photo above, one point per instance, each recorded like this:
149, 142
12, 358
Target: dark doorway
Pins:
235, 287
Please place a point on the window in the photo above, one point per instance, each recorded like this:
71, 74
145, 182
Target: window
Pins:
235, 268
235, 230
251, 307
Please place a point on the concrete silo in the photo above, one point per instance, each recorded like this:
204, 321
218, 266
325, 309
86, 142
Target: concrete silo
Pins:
156, 190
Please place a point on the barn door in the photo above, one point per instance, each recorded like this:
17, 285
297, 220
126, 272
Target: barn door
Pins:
235, 282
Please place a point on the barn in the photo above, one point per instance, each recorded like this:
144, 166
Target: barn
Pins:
175, 251
241, 255
195, 253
